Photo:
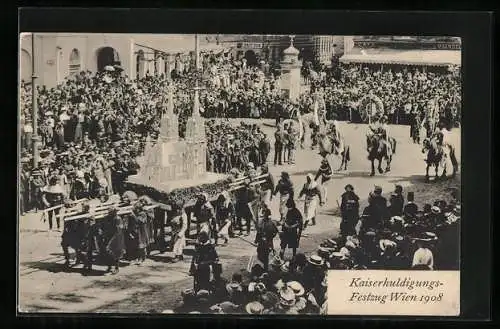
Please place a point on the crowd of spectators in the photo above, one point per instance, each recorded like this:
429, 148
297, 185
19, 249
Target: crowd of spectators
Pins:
405, 236
105, 117
235, 147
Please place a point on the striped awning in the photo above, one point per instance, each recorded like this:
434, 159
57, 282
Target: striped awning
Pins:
410, 57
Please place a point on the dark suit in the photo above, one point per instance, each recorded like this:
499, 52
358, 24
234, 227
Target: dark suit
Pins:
278, 147
264, 149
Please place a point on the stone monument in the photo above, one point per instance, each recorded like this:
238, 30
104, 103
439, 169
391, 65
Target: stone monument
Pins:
290, 72
173, 163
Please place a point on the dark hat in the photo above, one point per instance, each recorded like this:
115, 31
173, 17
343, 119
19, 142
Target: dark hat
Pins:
203, 296
399, 188
349, 186
411, 196
203, 237
377, 190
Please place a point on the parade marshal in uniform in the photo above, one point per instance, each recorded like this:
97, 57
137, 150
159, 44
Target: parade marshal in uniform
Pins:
266, 231
292, 228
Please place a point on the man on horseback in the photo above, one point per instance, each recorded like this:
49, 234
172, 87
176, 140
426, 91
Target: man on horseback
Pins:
379, 128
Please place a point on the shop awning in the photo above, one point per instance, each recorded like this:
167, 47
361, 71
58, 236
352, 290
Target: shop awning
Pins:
409, 57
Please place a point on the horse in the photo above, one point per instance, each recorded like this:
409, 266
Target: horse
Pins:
377, 150
329, 144
437, 156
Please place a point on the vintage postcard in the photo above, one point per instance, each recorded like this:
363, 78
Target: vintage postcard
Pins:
239, 174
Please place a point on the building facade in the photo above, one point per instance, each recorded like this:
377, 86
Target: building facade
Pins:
402, 51
60, 55
269, 48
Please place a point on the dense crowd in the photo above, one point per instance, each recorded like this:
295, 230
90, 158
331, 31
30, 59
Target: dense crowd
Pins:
392, 234
99, 122
235, 147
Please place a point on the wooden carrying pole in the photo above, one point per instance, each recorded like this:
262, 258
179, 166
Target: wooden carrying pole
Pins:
104, 212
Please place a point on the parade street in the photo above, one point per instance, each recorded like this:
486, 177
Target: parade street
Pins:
46, 286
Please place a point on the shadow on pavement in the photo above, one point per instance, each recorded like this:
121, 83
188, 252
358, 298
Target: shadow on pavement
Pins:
37, 308
69, 298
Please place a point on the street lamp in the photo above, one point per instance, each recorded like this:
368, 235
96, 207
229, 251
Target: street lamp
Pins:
34, 105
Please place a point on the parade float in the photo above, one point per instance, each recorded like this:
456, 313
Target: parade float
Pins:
174, 170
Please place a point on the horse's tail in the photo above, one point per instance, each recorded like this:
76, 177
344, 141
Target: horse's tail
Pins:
394, 146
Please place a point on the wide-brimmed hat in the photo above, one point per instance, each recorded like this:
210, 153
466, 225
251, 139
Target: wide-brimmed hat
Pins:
370, 233
202, 296
234, 287
296, 287
435, 210
397, 218
287, 297
254, 308
132, 196
284, 174
316, 260
325, 252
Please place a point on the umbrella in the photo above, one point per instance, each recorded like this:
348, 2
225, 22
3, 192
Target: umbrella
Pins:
109, 68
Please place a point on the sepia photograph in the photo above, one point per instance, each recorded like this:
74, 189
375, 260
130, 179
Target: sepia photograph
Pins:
236, 173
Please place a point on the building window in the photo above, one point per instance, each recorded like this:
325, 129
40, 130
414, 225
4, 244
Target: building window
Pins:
74, 62
140, 67
26, 67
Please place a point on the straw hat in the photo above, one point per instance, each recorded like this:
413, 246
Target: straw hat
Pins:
296, 287
435, 210
287, 297
316, 260
254, 308
233, 287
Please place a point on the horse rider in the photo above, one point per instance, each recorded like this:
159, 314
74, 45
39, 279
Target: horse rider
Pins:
441, 135
379, 127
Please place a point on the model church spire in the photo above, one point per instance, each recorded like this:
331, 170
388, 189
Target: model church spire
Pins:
169, 125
